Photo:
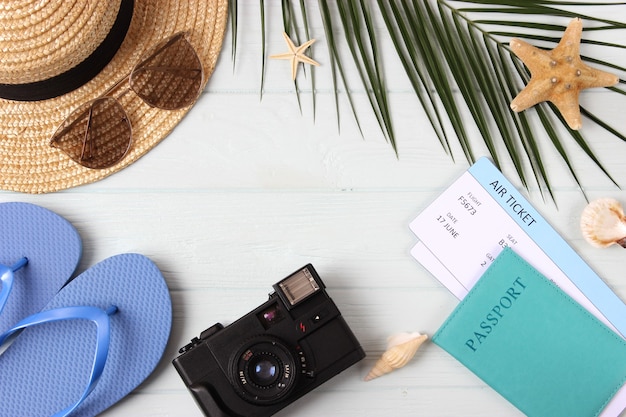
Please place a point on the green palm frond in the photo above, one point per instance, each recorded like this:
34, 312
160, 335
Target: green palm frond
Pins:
475, 53
456, 55
291, 28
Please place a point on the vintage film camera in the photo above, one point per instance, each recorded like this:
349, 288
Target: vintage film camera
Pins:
273, 355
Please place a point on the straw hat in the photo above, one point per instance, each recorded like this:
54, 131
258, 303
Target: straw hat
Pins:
56, 55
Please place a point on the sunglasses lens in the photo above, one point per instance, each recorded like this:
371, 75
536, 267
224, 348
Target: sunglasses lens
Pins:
170, 77
96, 135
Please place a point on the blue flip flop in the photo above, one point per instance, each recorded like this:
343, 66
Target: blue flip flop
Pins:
39, 252
62, 364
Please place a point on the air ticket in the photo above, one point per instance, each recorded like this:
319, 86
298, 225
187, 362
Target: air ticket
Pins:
463, 230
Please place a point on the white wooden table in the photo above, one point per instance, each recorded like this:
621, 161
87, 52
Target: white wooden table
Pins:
246, 190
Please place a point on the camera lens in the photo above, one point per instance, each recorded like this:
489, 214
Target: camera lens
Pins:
264, 370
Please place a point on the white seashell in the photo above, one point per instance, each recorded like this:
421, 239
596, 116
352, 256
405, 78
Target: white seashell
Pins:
400, 350
603, 223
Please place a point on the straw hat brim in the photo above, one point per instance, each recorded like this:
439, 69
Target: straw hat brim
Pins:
30, 164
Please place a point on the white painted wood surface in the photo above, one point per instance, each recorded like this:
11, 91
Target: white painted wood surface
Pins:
246, 190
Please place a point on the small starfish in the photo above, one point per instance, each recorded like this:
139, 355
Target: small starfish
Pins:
558, 75
296, 55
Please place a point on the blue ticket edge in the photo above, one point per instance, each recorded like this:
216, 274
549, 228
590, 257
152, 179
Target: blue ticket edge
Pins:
552, 244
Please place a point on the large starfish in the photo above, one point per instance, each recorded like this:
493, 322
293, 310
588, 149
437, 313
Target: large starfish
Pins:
296, 55
558, 75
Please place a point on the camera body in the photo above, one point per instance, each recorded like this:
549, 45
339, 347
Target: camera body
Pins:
273, 355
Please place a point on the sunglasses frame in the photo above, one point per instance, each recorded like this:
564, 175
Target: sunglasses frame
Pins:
76, 116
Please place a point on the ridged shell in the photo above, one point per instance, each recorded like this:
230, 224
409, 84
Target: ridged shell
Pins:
400, 350
603, 223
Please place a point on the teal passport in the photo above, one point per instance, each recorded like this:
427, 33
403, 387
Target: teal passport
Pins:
532, 343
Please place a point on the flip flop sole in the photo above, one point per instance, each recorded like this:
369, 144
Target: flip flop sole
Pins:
47, 367
53, 248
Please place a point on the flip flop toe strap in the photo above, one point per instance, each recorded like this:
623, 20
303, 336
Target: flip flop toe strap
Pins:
6, 279
98, 316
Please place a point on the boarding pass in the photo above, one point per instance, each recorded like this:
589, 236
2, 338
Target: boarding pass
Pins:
463, 230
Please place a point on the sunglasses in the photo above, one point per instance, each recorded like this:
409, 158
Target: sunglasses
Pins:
98, 134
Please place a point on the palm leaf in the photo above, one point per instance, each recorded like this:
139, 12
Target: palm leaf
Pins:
457, 59
355, 22
336, 65
291, 28
307, 35
232, 7
478, 59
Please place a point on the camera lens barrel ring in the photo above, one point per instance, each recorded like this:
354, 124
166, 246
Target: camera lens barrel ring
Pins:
264, 370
